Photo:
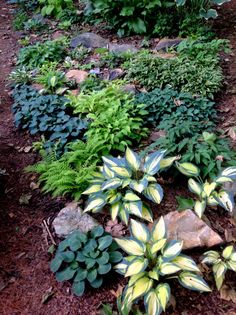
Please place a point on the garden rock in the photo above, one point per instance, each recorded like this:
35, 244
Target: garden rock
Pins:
166, 43
116, 74
122, 48
187, 227
72, 218
78, 75
130, 88
89, 40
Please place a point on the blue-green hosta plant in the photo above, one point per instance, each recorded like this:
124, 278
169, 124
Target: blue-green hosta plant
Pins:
85, 259
151, 263
121, 182
209, 193
221, 263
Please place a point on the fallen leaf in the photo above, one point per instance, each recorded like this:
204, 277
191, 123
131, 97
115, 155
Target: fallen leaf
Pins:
25, 199
47, 295
114, 228
228, 294
27, 149
230, 235
232, 133
118, 292
34, 185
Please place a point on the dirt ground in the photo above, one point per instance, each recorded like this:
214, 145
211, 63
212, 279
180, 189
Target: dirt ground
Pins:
25, 278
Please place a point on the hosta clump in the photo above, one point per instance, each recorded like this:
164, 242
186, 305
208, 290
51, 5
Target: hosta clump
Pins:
85, 259
122, 181
209, 193
152, 261
221, 263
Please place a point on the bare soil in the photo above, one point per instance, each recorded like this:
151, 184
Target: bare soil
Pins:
25, 278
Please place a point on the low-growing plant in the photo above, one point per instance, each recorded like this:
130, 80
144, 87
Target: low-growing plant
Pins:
35, 24
29, 5
122, 181
92, 83
19, 20
222, 262
55, 7
85, 259
209, 193
36, 55
21, 76
152, 262
169, 104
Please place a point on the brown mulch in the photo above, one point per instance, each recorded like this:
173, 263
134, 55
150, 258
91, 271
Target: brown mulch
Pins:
25, 278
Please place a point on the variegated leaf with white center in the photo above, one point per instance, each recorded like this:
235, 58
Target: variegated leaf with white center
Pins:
168, 268
115, 208
188, 169
194, 187
193, 282
209, 188
200, 207
132, 159
159, 230
131, 246
141, 287
131, 197
227, 252
229, 172
163, 294
225, 200
96, 203
186, 263
152, 163
112, 183
158, 245
172, 249
139, 231
154, 192
152, 304
92, 189
136, 266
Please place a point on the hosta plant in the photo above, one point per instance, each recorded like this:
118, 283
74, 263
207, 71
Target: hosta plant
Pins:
209, 193
221, 263
85, 259
121, 182
152, 261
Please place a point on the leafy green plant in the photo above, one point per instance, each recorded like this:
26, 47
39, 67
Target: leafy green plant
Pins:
85, 259
29, 5
122, 181
36, 55
209, 193
46, 115
19, 20
152, 261
55, 7
221, 263
20, 76
168, 104
35, 24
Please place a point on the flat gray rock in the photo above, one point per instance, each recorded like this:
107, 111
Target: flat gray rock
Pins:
122, 48
187, 227
89, 40
166, 43
72, 218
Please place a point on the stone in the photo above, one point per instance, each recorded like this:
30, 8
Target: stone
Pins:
129, 88
122, 48
116, 74
166, 43
57, 35
77, 75
155, 135
187, 227
37, 86
72, 218
89, 40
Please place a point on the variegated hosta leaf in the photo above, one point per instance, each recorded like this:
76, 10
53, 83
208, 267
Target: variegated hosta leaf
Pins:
159, 230
172, 249
121, 171
155, 247
230, 172
194, 187
152, 304
112, 183
188, 169
165, 163
211, 257
185, 263
124, 214
233, 256
154, 274
223, 179
168, 268
132, 159
139, 186
200, 207
135, 278
115, 208
131, 246
136, 266
231, 265
106, 171
139, 231
209, 188
111, 161
193, 282
154, 192
134, 207
211, 201
131, 197
219, 281
113, 196
152, 163
219, 269
228, 251
92, 189
163, 294
96, 203
146, 213
121, 267
225, 200
141, 287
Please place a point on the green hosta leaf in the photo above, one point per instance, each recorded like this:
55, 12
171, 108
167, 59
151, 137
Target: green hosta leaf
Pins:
115, 257
56, 263
231, 265
185, 203
200, 207
169, 268
115, 208
209, 188
146, 213
104, 258
131, 247
185, 263
139, 231
208, 14
194, 187
65, 274
165, 163
210, 257
172, 249
80, 257
136, 266
163, 294
104, 269
92, 275
75, 244
159, 230
154, 274
63, 245
90, 262
68, 256
141, 287
188, 169
228, 251
132, 159
154, 192
92, 189
104, 242
97, 283
81, 274
158, 246
97, 231
193, 282
152, 164
152, 303
78, 288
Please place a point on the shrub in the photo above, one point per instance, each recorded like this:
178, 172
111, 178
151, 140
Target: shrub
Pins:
151, 262
221, 263
209, 193
122, 181
85, 259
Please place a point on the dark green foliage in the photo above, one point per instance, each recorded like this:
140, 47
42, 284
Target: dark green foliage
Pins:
92, 83
36, 55
29, 5
85, 259
55, 7
19, 20
168, 104
35, 24
46, 115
